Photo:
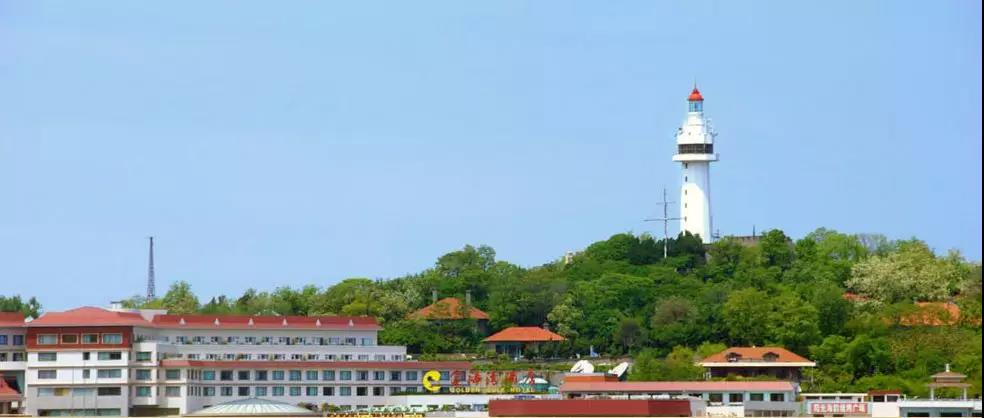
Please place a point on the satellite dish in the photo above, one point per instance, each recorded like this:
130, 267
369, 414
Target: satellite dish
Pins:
620, 369
582, 366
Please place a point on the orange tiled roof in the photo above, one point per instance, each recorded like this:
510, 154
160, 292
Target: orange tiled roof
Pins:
7, 393
756, 354
88, 316
523, 334
449, 308
11, 319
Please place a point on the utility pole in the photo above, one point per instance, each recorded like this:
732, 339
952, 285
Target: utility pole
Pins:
151, 292
666, 221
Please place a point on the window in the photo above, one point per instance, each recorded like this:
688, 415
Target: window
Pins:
143, 391
90, 338
395, 375
367, 341
736, 397
260, 391
362, 375
412, 375
18, 340
85, 355
243, 391
172, 391
361, 391
83, 391
143, 356
716, 397
378, 391
278, 391
344, 391
47, 339
327, 391
777, 397
114, 391
47, 356
225, 375
756, 397
295, 375
345, 375
327, 375
260, 375
142, 374
208, 391
70, 338
47, 374
278, 375
86, 373
242, 375
3, 339
311, 375
445, 375
295, 391
112, 338
379, 375
311, 391
109, 373
110, 355
208, 375
225, 391
172, 374
46, 392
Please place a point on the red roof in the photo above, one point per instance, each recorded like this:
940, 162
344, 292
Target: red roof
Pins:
682, 387
265, 322
695, 96
755, 354
523, 334
449, 308
7, 393
11, 319
252, 364
88, 316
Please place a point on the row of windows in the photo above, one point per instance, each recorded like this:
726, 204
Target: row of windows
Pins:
299, 375
309, 391
266, 340
105, 391
15, 356
695, 149
282, 356
71, 339
740, 397
49, 374
17, 339
46, 356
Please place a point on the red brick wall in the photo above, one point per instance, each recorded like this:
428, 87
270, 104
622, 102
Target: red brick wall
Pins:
32, 337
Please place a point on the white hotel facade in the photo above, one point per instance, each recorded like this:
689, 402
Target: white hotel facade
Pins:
96, 361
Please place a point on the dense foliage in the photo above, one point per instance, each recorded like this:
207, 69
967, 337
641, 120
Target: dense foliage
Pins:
621, 296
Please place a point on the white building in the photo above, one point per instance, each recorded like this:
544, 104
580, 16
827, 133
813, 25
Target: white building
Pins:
695, 150
13, 360
95, 361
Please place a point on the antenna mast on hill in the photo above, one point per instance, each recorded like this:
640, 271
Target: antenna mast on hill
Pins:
150, 272
666, 221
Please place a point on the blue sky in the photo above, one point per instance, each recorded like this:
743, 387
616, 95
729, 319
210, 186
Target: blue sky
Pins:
308, 142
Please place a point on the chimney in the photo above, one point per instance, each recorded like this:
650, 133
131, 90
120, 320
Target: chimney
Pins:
468, 297
433, 295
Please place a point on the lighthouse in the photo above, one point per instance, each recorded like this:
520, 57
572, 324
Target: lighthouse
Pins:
695, 152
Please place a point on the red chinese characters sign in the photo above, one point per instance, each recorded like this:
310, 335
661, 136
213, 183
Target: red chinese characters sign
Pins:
838, 408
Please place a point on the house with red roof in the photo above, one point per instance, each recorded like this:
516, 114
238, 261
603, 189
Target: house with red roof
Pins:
776, 362
516, 341
13, 358
453, 309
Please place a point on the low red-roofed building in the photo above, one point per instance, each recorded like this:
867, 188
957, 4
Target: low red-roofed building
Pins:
450, 309
777, 362
10, 398
514, 341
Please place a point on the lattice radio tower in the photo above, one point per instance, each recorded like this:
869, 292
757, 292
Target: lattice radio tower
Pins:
151, 291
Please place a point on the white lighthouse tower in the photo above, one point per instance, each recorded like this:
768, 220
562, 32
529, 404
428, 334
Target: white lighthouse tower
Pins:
695, 150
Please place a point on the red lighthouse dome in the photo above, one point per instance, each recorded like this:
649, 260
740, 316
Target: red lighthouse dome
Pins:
695, 96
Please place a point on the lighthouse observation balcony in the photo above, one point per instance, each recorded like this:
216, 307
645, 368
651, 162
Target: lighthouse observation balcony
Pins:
695, 153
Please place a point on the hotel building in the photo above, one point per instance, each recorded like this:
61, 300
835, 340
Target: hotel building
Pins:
96, 361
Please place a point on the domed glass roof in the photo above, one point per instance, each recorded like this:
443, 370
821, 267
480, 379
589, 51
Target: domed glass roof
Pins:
254, 407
